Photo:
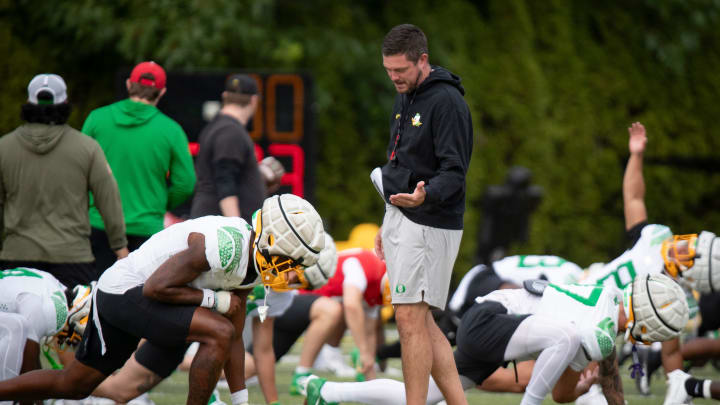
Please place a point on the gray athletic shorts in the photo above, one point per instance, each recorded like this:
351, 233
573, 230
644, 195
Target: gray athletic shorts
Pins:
419, 259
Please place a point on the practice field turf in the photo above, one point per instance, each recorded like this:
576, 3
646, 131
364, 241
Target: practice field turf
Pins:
173, 391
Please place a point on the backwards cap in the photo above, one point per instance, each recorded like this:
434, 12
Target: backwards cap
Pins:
50, 87
149, 74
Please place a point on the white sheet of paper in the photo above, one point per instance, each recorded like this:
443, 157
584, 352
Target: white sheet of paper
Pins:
376, 178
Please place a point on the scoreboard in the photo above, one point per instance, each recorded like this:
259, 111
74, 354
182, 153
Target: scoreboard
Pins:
282, 126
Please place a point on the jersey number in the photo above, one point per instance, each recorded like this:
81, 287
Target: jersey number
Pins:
532, 261
624, 274
591, 300
19, 272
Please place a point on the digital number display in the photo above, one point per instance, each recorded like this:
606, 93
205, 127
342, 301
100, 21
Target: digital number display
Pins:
281, 127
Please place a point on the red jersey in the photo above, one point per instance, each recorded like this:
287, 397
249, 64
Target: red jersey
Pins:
373, 267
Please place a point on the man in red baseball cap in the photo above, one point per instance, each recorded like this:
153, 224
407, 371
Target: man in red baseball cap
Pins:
148, 74
142, 145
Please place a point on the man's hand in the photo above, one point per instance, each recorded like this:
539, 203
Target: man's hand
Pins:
235, 304
122, 252
367, 365
638, 138
378, 245
410, 200
588, 377
272, 171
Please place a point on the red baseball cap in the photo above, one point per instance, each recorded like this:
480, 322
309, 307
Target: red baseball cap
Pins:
148, 74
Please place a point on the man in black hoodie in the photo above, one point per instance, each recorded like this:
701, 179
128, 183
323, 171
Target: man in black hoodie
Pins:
423, 184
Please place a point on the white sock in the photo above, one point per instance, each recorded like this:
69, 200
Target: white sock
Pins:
375, 392
380, 391
301, 370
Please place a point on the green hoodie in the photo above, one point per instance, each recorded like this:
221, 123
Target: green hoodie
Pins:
46, 172
145, 148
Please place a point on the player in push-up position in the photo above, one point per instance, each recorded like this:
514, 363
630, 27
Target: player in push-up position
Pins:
482, 279
563, 327
35, 305
187, 283
655, 250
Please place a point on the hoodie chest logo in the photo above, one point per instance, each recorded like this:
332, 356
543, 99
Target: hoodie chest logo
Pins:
416, 120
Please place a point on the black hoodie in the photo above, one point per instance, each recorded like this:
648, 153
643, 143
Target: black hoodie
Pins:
434, 146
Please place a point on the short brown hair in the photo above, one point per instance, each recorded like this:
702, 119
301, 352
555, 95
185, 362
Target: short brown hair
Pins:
229, 97
405, 39
149, 93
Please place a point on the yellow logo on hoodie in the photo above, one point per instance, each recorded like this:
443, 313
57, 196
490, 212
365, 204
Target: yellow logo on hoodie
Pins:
416, 120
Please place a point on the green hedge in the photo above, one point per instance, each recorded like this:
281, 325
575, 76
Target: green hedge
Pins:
552, 85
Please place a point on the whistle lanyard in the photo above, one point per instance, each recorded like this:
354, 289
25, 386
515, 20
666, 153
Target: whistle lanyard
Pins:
403, 117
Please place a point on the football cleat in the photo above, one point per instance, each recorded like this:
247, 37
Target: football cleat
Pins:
676, 393
215, 398
295, 385
331, 359
311, 388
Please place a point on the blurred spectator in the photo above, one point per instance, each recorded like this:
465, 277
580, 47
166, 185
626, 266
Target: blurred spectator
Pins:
46, 171
230, 180
145, 149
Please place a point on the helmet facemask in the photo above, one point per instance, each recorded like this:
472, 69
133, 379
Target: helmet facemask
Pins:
275, 272
679, 253
274, 269
702, 276
280, 248
630, 316
80, 299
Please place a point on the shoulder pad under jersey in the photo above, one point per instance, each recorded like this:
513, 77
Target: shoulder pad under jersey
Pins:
535, 287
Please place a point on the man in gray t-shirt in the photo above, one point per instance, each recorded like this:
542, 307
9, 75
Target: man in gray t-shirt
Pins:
230, 181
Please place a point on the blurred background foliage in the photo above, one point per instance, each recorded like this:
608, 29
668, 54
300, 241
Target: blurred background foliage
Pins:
552, 85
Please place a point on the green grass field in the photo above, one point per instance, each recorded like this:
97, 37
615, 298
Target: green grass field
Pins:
174, 389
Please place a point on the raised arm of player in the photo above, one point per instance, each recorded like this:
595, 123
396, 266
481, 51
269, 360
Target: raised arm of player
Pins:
610, 381
633, 182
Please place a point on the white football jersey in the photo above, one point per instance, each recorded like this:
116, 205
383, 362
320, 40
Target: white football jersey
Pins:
590, 308
38, 296
517, 301
227, 250
643, 258
517, 269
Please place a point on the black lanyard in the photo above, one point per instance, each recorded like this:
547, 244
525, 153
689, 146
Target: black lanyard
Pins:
403, 117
